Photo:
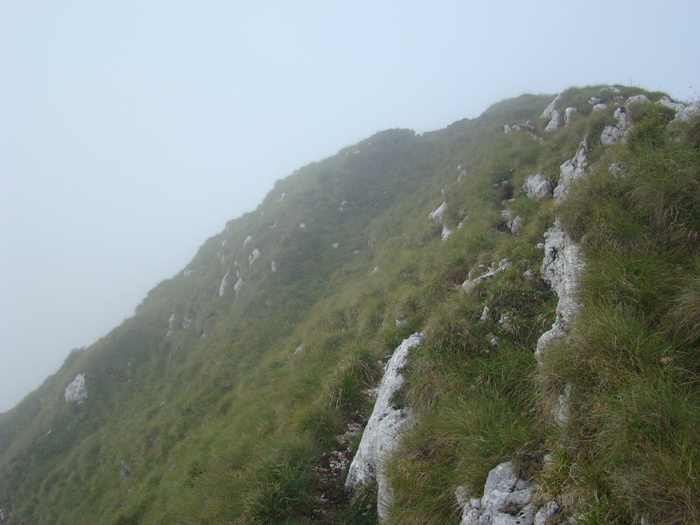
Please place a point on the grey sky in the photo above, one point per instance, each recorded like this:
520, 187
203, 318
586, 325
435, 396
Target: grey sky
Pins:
132, 131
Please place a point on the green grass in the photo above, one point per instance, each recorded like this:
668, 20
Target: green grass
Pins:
222, 422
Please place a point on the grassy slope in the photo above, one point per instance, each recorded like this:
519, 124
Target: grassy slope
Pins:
222, 421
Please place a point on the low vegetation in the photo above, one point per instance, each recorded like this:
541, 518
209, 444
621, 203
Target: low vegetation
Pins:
240, 399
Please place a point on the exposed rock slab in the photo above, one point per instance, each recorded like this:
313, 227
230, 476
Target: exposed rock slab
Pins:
383, 429
77, 389
570, 171
506, 500
537, 187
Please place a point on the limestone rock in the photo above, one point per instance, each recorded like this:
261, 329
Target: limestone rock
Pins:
561, 268
570, 171
548, 509
506, 500
222, 286
613, 134
552, 114
637, 99
515, 225
683, 112
568, 112
76, 390
438, 216
554, 122
446, 232
537, 187
383, 429
492, 270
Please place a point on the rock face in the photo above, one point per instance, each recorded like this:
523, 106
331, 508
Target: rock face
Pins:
76, 390
570, 171
552, 114
561, 267
222, 286
614, 134
383, 429
506, 500
537, 187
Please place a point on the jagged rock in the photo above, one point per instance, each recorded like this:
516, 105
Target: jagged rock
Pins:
383, 429
76, 390
568, 112
554, 122
538, 188
515, 225
222, 286
570, 171
683, 112
446, 232
613, 134
506, 500
637, 99
561, 268
485, 313
599, 107
238, 285
247, 240
552, 114
438, 215
593, 101
548, 509
492, 270
253, 256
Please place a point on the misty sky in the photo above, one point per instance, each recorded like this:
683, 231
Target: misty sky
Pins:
132, 131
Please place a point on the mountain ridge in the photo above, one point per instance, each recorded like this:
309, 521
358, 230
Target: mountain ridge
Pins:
272, 334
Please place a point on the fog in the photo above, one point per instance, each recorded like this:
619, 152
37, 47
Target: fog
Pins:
132, 131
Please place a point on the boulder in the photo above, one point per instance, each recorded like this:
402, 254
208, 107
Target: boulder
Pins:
537, 187
506, 500
76, 390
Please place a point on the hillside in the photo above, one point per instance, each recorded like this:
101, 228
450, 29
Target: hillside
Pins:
548, 254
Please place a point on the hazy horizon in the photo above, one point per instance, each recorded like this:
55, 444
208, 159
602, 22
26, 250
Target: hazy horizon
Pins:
131, 132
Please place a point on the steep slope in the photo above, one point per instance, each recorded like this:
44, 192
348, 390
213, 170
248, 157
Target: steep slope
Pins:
238, 391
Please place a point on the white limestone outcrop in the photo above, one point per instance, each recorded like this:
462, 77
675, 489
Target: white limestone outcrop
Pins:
562, 266
506, 500
438, 215
570, 171
568, 114
222, 286
537, 187
613, 134
683, 112
552, 114
253, 256
76, 390
492, 270
237, 286
383, 429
